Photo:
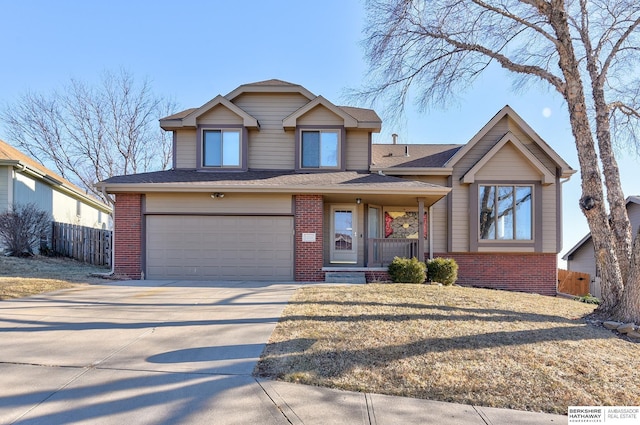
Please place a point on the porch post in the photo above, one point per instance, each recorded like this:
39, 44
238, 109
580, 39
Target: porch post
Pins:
421, 229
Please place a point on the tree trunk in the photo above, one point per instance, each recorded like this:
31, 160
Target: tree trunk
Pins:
629, 308
592, 202
620, 224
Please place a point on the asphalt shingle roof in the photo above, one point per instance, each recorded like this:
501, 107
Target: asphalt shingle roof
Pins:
429, 156
344, 179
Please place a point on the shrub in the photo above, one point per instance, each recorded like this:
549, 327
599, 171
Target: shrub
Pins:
443, 270
589, 299
22, 227
405, 270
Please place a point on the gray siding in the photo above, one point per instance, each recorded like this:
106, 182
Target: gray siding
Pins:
583, 260
5, 182
633, 210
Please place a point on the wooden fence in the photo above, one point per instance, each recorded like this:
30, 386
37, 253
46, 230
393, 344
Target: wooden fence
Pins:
85, 244
573, 283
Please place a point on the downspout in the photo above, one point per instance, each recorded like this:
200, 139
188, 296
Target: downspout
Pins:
113, 231
429, 208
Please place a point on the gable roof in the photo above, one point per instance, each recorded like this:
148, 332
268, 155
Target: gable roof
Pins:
547, 176
587, 237
188, 118
291, 120
15, 158
353, 117
566, 170
270, 86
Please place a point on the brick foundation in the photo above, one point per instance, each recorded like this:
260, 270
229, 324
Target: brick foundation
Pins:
536, 273
308, 255
377, 276
128, 235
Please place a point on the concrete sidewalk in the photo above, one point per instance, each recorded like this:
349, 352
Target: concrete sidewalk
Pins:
302, 404
161, 352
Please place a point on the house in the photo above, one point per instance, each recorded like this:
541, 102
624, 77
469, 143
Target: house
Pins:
272, 182
581, 258
24, 181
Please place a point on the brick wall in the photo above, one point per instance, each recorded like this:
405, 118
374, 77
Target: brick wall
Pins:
308, 255
128, 235
377, 276
537, 273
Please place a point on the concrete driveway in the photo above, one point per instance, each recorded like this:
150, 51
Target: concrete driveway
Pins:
139, 352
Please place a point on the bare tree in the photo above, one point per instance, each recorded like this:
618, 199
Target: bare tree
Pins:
90, 133
587, 50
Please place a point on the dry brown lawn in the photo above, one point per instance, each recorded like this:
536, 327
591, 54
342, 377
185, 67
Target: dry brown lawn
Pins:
464, 345
21, 277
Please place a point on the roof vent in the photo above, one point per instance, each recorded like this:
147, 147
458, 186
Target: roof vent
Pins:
406, 150
394, 136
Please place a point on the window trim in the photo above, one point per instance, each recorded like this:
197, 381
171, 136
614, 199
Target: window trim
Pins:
243, 147
476, 244
321, 128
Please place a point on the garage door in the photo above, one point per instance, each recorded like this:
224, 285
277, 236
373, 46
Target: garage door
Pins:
219, 248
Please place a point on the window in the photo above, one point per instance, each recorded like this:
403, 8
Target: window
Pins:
221, 148
505, 212
320, 149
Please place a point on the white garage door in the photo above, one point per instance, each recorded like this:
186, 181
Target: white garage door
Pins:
219, 248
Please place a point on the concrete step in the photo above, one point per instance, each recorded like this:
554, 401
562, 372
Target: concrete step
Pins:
345, 277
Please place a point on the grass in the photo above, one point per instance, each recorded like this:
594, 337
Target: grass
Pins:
22, 277
464, 345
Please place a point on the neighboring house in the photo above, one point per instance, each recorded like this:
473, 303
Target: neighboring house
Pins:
24, 181
581, 258
272, 182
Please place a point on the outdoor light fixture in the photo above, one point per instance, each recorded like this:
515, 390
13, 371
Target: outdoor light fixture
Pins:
358, 200
217, 195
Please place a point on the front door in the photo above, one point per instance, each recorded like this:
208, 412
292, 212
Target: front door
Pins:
344, 246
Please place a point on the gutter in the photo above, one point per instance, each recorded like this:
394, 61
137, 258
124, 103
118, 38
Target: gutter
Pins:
193, 188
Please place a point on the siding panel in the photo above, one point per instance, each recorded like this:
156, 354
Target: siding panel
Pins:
271, 147
320, 116
506, 164
357, 150
219, 115
186, 149
232, 203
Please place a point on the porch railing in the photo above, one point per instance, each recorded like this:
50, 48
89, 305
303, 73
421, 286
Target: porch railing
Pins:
382, 251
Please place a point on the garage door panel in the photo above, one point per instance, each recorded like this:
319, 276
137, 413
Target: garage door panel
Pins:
223, 248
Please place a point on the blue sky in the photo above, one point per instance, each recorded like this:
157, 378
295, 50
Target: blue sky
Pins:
193, 50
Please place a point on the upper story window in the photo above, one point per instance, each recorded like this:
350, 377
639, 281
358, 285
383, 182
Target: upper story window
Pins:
320, 149
506, 212
221, 148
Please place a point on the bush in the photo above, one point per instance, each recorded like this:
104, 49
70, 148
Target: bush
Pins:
443, 270
405, 270
589, 299
22, 227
